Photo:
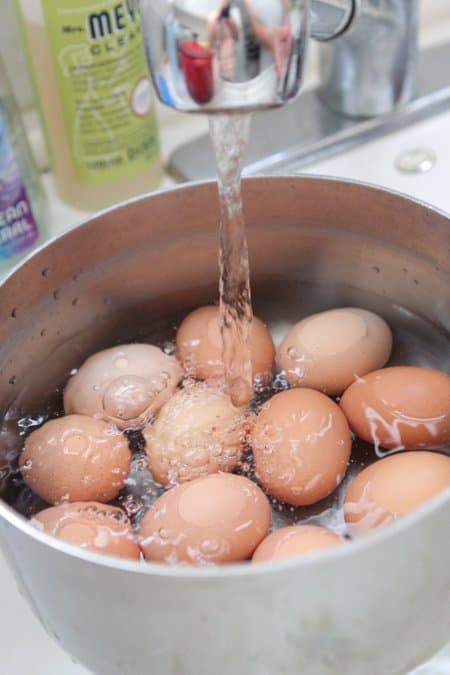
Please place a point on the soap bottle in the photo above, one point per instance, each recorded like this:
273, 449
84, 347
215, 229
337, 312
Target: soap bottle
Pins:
23, 204
95, 97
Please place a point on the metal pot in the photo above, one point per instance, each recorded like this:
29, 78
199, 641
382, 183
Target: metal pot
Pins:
379, 605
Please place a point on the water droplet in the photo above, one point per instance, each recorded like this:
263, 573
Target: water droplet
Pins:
169, 348
12, 379
164, 534
45, 272
210, 546
121, 362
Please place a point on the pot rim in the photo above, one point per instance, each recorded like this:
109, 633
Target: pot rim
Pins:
242, 569
365, 542
211, 182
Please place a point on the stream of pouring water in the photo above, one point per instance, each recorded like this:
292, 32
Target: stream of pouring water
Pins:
230, 135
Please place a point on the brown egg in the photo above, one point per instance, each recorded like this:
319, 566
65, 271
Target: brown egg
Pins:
328, 351
400, 408
196, 433
92, 526
301, 446
75, 458
199, 343
126, 385
212, 520
295, 541
393, 487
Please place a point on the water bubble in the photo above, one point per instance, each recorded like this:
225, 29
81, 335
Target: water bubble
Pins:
121, 363
295, 355
169, 348
210, 546
132, 506
127, 397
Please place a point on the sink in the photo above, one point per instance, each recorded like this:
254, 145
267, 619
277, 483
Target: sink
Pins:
415, 160
407, 150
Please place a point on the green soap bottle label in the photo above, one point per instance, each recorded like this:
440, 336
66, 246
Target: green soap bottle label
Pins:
101, 70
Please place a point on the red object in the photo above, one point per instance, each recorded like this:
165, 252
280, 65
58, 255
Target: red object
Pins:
196, 62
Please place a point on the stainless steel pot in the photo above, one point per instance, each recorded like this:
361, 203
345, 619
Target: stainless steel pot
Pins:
377, 606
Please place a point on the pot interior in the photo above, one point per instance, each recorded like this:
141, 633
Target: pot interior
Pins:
132, 273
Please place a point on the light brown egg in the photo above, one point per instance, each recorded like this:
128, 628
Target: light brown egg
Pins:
197, 432
75, 458
393, 487
295, 541
301, 446
400, 408
328, 351
199, 344
212, 520
126, 385
92, 526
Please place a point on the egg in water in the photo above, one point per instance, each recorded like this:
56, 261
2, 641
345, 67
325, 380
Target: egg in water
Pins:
126, 385
328, 351
197, 432
296, 541
75, 458
398, 408
213, 520
92, 526
199, 343
393, 487
301, 446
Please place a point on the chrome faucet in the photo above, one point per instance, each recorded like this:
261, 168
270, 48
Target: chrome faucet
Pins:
246, 55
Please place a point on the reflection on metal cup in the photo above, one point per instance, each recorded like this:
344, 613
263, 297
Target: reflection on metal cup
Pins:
196, 62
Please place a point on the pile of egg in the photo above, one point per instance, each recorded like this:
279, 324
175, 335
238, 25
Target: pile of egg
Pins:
300, 440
